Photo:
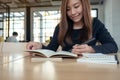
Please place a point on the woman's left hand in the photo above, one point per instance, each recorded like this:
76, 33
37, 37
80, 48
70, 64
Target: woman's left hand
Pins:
84, 48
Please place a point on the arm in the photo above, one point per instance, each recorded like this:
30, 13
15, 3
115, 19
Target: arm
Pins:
108, 45
101, 34
53, 45
33, 45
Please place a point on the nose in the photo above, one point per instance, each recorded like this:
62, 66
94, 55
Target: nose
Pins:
72, 11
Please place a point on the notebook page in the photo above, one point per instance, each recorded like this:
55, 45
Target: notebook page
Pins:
98, 58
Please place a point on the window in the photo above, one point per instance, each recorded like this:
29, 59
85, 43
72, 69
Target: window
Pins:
45, 21
44, 24
1, 24
94, 13
16, 24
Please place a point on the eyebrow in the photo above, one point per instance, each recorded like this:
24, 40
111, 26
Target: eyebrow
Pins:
75, 4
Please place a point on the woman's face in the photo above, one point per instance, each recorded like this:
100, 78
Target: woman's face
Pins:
74, 10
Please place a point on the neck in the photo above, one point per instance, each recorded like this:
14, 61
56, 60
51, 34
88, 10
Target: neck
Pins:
78, 25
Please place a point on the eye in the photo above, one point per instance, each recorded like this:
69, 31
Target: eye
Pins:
68, 9
76, 6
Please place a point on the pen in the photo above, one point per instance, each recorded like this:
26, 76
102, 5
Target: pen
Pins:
86, 42
116, 58
90, 40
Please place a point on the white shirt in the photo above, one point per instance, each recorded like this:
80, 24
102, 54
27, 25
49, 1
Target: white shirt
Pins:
11, 39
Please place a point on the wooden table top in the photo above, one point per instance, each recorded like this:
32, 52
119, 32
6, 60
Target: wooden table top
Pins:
18, 66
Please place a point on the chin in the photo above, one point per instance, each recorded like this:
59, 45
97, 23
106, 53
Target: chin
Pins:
77, 20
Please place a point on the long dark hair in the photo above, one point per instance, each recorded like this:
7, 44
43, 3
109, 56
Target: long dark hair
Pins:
66, 24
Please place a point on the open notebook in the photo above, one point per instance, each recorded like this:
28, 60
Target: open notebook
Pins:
98, 58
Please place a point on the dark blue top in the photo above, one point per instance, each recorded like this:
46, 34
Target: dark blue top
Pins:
108, 45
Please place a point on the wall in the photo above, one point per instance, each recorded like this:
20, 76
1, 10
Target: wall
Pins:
112, 18
100, 8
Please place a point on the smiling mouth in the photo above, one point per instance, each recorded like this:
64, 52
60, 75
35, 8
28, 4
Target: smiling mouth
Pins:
74, 17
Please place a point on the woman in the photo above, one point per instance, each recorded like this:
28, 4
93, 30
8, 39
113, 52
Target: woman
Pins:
76, 27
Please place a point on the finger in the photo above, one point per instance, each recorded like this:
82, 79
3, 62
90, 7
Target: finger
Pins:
75, 46
28, 46
79, 50
75, 52
82, 46
78, 53
82, 50
33, 48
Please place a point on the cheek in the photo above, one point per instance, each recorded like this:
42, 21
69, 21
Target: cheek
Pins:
80, 10
68, 14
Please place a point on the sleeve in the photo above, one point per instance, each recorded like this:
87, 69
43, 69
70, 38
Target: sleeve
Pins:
53, 45
108, 45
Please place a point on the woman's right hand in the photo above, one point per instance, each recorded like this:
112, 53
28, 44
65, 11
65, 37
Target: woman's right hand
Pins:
33, 45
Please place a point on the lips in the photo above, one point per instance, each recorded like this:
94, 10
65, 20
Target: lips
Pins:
74, 17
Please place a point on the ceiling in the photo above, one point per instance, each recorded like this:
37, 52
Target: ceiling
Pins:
24, 3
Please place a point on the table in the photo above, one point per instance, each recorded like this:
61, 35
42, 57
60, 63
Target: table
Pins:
18, 66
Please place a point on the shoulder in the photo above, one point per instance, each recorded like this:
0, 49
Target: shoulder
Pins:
97, 24
11, 39
57, 28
